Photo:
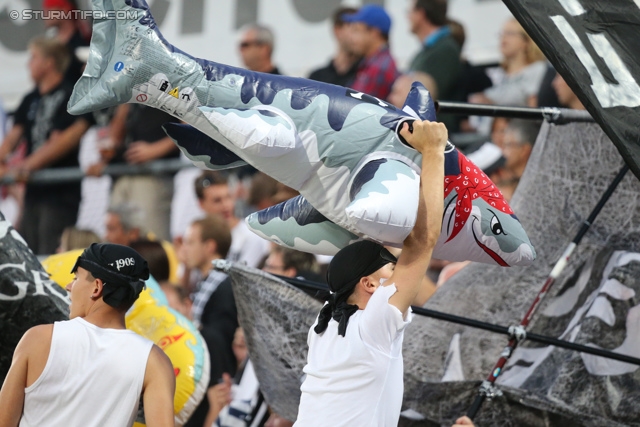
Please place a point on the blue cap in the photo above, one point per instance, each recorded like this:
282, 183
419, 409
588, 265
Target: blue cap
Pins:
373, 15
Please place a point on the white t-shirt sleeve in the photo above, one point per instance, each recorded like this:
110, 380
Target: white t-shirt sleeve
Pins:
382, 322
246, 246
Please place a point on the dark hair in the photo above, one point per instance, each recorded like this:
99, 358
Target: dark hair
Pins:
207, 179
527, 130
214, 227
301, 261
180, 292
384, 36
262, 187
127, 302
339, 13
156, 257
457, 32
434, 10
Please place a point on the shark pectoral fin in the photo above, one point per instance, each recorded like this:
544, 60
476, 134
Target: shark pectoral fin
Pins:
262, 131
384, 200
296, 224
419, 103
201, 149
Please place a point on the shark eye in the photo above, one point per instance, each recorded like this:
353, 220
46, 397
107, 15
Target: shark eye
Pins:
496, 227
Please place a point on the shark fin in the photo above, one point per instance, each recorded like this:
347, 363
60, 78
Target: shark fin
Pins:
262, 131
377, 190
201, 148
419, 103
296, 224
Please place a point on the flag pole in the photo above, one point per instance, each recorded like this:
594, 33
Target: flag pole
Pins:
551, 114
321, 291
487, 389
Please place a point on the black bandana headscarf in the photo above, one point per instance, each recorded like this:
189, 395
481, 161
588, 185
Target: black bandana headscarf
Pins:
346, 269
121, 268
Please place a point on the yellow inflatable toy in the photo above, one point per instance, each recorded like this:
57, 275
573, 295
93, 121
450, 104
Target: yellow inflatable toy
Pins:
173, 260
152, 318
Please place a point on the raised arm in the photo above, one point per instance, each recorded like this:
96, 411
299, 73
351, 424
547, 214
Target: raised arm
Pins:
159, 390
430, 139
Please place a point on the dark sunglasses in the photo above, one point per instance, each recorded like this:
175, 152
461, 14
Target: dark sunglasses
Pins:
245, 45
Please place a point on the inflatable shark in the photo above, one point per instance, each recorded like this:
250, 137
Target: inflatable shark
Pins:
339, 148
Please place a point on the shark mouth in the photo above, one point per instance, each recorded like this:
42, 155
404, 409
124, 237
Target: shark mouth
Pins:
497, 258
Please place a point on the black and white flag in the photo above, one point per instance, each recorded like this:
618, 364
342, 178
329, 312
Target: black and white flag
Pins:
594, 45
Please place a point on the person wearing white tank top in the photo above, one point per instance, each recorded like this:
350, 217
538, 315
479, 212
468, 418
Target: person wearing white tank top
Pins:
354, 371
91, 371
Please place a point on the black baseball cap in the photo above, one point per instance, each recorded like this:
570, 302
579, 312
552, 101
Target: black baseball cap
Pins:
122, 269
355, 261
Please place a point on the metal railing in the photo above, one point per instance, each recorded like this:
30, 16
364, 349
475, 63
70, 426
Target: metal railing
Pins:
66, 175
159, 167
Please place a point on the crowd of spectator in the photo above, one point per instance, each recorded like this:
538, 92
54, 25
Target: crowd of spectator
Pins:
182, 222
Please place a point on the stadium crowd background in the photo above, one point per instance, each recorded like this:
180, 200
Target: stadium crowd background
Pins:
181, 222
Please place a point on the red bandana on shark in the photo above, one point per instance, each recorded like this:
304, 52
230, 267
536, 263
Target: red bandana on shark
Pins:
471, 183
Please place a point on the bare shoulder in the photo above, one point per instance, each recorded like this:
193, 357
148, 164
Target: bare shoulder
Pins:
159, 370
158, 355
158, 362
40, 331
36, 338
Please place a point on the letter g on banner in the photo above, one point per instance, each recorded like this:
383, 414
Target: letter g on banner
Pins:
626, 92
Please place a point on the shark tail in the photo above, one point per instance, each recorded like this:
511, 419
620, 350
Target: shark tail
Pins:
130, 61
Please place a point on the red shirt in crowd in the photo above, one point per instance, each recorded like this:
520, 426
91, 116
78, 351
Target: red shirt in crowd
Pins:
376, 74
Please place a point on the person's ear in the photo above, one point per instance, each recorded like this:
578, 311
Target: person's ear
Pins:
211, 246
98, 287
368, 284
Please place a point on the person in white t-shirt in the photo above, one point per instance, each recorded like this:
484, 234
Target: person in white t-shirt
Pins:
354, 371
90, 370
214, 196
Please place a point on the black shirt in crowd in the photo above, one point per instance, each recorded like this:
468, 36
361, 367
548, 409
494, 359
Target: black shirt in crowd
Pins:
41, 114
329, 74
219, 323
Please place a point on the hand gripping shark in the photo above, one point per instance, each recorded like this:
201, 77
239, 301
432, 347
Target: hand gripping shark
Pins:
339, 148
